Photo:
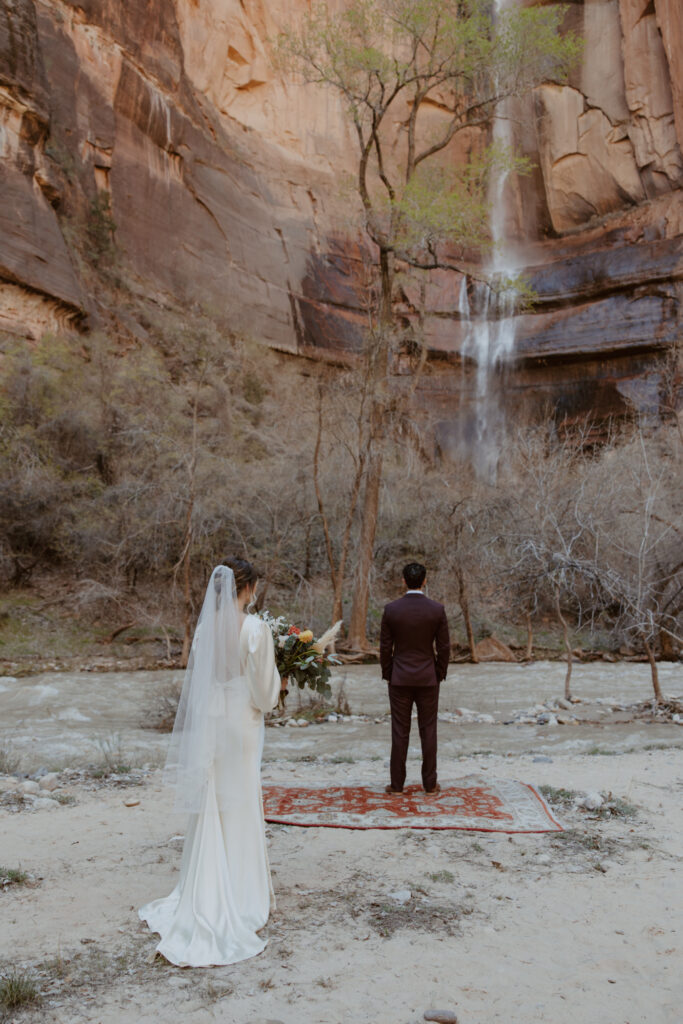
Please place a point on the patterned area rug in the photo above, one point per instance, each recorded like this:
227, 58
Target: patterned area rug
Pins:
472, 804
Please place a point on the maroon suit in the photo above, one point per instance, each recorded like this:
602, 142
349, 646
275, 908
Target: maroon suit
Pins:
414, 649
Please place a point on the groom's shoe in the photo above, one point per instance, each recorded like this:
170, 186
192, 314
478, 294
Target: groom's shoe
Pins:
392, 791
433, 792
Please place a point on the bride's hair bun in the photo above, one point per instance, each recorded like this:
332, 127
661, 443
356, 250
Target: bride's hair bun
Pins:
244, 572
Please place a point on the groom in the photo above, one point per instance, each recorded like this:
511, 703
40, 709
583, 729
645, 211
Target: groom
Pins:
413, 650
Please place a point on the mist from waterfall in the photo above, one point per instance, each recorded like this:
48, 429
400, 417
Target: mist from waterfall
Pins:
489, 339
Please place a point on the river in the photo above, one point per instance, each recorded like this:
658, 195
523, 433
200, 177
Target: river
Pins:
57, 720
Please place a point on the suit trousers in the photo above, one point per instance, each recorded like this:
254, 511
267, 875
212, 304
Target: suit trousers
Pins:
401, 700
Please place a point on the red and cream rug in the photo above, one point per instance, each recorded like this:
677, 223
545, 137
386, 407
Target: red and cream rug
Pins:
471, 804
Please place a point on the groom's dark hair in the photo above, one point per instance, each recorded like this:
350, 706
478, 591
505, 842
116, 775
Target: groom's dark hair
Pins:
414, 575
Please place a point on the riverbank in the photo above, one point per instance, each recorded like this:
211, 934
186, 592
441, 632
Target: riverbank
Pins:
33, 665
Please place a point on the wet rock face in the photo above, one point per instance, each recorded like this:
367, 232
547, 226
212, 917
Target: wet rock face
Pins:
224, 183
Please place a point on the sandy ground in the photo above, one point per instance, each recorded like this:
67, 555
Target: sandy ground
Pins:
584, 926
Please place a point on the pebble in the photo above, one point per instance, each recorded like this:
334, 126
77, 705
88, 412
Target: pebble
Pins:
292, 722
28, 786
43, 803
302, 723
542, 759
546, 719
441, 1016
132, 802
591, 801
331, 718
49, 781
401, 896
8, 784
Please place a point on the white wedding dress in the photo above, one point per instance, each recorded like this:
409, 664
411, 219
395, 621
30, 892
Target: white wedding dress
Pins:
224, 893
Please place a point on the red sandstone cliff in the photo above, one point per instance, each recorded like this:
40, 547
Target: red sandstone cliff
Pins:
226, 185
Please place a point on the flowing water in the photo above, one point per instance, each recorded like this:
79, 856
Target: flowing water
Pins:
488, 311
61, 719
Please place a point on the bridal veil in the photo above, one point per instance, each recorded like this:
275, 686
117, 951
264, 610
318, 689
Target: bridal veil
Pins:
214, 662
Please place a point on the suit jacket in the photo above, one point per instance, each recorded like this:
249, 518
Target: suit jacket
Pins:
414, 646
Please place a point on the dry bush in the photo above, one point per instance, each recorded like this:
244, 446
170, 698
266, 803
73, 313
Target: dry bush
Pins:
198, 444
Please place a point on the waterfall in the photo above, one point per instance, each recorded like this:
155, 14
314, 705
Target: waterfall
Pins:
489, 338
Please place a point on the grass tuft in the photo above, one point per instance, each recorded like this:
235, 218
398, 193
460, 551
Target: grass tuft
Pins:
12, 876
18, 989
565, 797
67, 799
441, 876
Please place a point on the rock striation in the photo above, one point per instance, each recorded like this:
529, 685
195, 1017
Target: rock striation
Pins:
225, 182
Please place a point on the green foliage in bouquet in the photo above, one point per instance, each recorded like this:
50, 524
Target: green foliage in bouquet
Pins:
299, 656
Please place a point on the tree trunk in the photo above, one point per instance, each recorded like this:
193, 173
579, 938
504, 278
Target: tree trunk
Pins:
319, 498
187, 597
653, 669
366, 547
567, 646
337, 571
378, 365
338, 605
185, 559
338, 602
465, 609
529, 638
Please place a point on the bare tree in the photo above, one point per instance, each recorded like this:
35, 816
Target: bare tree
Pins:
356, 448
549, 533
466, 546
393, 62
639, 546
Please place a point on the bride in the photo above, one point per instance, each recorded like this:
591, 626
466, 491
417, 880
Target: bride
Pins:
224, 893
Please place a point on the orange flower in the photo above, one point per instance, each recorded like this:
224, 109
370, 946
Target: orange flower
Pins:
293, 630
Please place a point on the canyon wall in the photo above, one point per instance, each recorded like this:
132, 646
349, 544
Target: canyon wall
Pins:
228, 186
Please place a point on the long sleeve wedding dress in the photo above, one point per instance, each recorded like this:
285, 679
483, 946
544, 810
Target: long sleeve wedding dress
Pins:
224, 893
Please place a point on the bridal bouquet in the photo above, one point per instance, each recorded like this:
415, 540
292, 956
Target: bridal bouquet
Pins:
299, 656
